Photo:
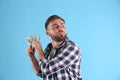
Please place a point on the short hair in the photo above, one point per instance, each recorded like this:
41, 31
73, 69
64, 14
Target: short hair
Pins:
53, 17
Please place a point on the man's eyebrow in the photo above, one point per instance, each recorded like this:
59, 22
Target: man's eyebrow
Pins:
57, 24
54, 24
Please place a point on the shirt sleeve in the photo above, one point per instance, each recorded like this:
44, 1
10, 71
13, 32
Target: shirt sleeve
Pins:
69, 55
40, 74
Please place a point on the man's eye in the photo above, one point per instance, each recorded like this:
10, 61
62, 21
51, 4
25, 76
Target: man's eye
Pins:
55, 26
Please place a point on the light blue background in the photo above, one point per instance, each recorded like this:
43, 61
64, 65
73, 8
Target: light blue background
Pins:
93, 24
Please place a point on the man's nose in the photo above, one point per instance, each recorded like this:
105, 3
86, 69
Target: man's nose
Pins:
60, 26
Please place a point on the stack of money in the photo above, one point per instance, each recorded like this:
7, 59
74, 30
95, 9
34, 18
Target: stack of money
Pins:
33, 38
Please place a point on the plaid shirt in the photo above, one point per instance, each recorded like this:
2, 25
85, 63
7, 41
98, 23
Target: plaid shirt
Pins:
63, 65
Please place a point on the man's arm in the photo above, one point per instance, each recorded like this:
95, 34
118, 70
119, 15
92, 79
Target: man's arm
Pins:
67, 57
34, 62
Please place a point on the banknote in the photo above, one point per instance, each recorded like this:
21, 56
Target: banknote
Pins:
32, 38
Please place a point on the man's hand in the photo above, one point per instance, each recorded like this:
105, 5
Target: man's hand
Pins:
38, 48
30, 51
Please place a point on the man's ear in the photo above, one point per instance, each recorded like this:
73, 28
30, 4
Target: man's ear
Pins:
47, 32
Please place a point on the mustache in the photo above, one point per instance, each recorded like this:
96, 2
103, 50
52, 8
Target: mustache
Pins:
60, 31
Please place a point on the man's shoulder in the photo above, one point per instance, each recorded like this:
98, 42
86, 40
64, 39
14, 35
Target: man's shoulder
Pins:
70, 42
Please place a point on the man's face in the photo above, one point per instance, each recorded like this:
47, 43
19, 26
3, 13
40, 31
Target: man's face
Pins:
56, 30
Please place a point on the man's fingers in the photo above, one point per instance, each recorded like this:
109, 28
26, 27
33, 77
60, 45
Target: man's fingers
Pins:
30, 49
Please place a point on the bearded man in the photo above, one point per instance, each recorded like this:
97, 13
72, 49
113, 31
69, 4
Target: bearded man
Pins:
61, 58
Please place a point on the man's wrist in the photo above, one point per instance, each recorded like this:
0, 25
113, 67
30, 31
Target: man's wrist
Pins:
31, 57
40, 56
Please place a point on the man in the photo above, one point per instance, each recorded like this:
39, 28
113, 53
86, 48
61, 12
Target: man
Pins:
61, 58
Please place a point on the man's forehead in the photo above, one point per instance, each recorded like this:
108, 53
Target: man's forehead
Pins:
56, 21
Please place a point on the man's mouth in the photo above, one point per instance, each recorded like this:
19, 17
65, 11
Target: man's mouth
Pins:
60, 31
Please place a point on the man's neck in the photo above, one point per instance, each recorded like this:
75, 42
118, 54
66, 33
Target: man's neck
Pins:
56, 44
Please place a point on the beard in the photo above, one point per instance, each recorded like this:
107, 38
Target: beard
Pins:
58, 38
